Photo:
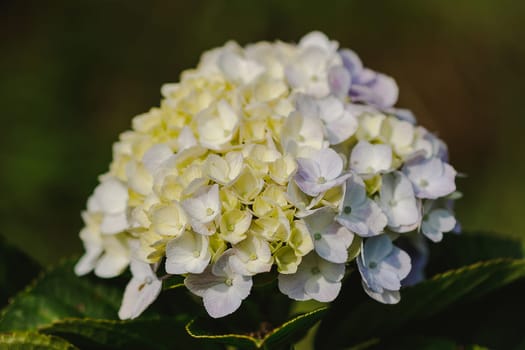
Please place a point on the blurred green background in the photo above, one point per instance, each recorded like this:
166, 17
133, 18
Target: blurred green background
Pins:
74, 73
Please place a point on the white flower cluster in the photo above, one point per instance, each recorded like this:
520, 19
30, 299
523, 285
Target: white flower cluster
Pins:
273, 157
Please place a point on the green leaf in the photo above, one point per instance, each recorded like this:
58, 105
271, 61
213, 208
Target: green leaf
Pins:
296, 326
471, 247
16, 271
33, 341
349, 323
287, 333
467, 322
58, 293
83, 310
156, 334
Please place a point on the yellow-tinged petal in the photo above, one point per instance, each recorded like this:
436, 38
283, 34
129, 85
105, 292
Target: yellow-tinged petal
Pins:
139, 179
262, 206
151, 248
369, 126
252, 130
147, 121
300, 239
191, 155
260, 156
282, 169
217, 169
270, 89
224, 170
139, 216
373, 184
333, 197
229, 199
190, 174
355, 248
234, 224
287, 260
248, 185
171, 189
277, 195
273, 227
217, 247
399, 134
168, 219
217, 125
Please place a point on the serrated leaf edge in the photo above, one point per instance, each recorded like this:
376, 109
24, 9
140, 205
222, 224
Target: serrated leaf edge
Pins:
257, 342
471, 267
275, 330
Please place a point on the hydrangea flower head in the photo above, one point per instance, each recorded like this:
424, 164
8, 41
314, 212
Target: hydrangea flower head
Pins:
274, 158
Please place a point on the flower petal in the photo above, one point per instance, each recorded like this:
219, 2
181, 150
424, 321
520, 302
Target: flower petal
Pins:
137, 297
385, 297
367, 158
321, 289
188, 253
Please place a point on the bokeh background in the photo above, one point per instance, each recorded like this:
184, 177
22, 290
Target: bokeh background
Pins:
74, 73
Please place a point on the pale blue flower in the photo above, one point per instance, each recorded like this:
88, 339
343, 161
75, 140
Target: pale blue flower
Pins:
339, 123
397, 200
429, 145
331, 239
222, 290
359, 213
432, 178
382, 266
369, 159
362, 84
315, 278
402, 114
320, 172
436, 221
308, 70
339, 80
